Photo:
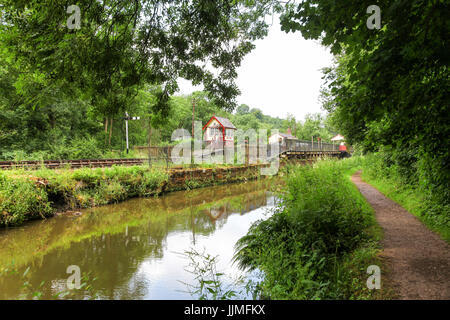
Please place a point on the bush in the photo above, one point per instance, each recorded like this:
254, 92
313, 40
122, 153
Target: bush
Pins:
85, 148
21, 199
325, 208
15, 155
321, 221
109, 192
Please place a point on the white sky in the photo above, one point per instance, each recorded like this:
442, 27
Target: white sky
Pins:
281, 75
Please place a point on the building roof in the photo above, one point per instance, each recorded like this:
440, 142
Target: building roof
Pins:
223, 121
226, 123
288, 136
337, 138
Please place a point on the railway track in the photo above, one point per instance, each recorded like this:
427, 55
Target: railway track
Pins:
56, 164
101, 163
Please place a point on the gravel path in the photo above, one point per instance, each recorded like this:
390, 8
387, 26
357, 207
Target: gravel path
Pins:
418, 260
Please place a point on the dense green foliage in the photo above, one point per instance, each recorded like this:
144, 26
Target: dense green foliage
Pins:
121, 45
59, 86
389, 87
64, 92
21, 199
318, 242
65, 131
384, 172
27, 195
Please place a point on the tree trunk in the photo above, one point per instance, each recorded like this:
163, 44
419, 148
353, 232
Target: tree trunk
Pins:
106, 129
110, 131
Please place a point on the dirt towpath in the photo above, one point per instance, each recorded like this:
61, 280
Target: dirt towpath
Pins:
418, 260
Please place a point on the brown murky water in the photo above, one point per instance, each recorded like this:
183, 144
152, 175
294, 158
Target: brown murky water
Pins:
132, 248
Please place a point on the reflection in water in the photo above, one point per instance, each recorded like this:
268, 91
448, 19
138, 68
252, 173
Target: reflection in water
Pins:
133, 248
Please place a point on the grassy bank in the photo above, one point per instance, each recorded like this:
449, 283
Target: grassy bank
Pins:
34, 194
412, 193
26, 195
319, 242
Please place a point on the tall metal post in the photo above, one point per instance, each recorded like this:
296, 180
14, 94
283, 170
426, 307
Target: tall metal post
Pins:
127, 117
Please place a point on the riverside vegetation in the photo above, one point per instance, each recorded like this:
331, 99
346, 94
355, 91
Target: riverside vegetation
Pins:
401, 177
28, 194
320, 240
134, 231
323, 235
317, 245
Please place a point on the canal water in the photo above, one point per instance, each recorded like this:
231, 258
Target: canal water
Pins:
135, 249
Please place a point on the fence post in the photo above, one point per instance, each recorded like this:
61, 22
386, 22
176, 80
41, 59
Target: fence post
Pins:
149, 157
167, 158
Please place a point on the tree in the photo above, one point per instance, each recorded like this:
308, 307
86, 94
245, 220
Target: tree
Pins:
122, 45
389, 86
257, 113
242, 109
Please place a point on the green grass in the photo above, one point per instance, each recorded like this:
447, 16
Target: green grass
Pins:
31, 194
412, 194
319, 242
414, 201
26, 194
21, 199
410, 189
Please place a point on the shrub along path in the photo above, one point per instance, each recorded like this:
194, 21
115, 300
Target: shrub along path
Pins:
417, 259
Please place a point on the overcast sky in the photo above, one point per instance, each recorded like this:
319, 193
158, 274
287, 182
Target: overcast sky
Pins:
281, 75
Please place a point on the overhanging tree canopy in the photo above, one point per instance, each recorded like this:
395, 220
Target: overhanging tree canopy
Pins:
122, 44
389, 86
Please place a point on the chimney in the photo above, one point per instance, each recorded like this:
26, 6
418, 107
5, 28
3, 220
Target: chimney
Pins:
289, 131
